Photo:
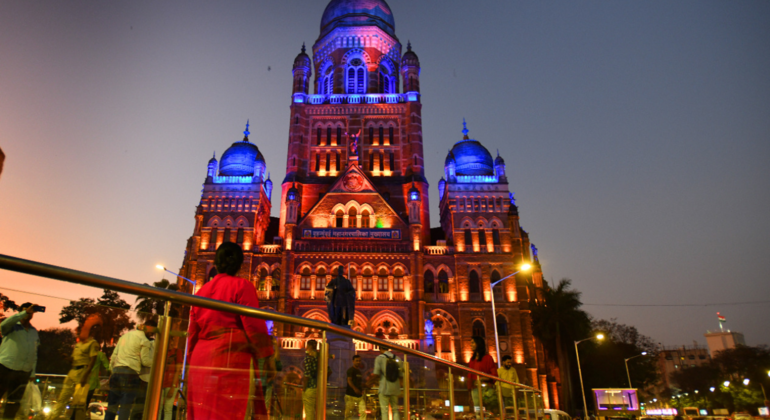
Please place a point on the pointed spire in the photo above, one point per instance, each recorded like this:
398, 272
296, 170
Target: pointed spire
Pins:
246, 132
465, 130
268, 175
409, 45
215, 155
498, 152
303, 48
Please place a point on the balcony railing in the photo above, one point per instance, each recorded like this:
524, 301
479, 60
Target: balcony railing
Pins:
331, 246
270, 249
438, 250
287, 396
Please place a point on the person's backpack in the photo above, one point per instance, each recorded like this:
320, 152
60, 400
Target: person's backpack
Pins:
391, 369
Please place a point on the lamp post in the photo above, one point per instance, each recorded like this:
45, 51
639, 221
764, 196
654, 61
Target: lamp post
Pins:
599, 336
524, 267
186, 342
160, 267
644, 353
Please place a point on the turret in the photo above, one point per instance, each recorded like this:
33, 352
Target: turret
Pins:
268, 187
500, 168
410, 71
441, 187
292, 205
302, 72
414, 206
212, 168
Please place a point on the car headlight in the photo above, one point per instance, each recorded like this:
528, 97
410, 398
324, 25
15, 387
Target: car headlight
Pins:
46, 410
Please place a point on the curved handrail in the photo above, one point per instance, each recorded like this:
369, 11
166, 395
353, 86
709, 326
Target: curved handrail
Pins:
81, 277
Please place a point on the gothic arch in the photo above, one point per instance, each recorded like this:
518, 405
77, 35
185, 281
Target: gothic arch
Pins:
429, 267
447, 316
361, 321
228, 221
317, 314
357, 52
496, 223
241, 222
391, 316
214, 222
402, 267
319, 266
303, 266
467, 223
445, 268
481, 223
382, 266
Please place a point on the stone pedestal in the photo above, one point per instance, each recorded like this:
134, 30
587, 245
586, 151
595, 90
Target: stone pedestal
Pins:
343, 350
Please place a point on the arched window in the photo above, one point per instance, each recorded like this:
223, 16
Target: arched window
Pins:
478, 329
468, 238
261, 286
367, 279
276, 286
386, 80
502, 325
356, 76
304, 281
340, 217
352, 218
483, 239
474, 285
353, 278
226, 236
398, 280
326, 85
213, 241
318, 136
371, 135
338, 139
429, 282
320, 279
239, 236
443, 282
498, 290
390, 135
382, 280
496, 237
365, 218
382, 135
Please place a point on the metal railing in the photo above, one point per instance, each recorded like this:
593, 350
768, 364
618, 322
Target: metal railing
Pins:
164, 332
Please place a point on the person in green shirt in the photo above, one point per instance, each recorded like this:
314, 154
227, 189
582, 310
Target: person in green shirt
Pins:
102, 362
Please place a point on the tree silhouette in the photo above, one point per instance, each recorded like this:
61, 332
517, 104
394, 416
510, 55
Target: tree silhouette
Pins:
114, 312
558, 321
147, 307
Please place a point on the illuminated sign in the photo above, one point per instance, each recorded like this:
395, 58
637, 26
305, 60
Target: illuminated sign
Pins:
661, 412
392, 234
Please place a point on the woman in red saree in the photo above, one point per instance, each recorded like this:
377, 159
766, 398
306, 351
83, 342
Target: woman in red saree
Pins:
224, 348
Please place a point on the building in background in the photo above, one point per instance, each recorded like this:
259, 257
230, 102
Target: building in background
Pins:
673, 359
355, 195
722, 340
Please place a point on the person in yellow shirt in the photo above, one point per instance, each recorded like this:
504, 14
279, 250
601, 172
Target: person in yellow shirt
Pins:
507, 372
83, 359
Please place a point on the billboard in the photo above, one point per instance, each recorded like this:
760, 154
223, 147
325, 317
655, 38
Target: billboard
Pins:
346, 233
616, 400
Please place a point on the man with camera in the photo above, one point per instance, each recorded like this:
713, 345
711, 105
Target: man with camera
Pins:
18, 356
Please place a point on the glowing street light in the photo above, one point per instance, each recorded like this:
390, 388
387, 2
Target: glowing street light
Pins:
598, 336
160, 267
644, 353
712, 389
523, 267
746, 381
726, 383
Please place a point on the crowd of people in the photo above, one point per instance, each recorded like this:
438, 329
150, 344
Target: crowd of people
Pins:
231, 368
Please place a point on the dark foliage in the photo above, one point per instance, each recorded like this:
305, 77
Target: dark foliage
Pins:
113, 310
54, 355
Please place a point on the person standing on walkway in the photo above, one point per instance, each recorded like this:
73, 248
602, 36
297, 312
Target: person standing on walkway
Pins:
390, 371
224, 347
131, 353
482, 362
83, 360
507, 372
18, 357
310, 379
354, 393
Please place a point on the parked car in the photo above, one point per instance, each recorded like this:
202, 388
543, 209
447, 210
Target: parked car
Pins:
556, 415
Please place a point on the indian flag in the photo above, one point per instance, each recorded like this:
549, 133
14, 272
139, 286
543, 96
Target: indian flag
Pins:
721, 317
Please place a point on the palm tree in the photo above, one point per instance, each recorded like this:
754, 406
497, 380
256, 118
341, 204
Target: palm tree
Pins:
147, 307
558, 321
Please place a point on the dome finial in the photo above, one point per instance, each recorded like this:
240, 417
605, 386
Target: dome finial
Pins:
246, 132
409, 45
465, 130
303, 48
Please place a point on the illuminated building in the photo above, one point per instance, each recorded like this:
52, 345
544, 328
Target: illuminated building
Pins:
366, 208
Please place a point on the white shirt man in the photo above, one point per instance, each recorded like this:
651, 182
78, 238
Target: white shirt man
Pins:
388, 391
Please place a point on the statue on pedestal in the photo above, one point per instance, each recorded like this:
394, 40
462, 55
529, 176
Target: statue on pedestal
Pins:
340, 299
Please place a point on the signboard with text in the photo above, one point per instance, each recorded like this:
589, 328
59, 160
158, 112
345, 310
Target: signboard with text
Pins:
342, 233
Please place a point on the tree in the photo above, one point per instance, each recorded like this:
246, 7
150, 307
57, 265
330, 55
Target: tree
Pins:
7, 304
604, 362
558, 321
55, 352
147, 307
113, 311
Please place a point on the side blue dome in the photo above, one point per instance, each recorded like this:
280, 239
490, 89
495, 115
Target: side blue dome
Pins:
358, 13
239, 159
471, 158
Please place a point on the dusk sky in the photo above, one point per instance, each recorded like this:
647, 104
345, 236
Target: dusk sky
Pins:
636, 136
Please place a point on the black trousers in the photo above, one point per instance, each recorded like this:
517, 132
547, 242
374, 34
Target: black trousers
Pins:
14, 382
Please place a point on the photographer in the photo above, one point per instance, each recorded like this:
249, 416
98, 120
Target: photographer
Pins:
18, 356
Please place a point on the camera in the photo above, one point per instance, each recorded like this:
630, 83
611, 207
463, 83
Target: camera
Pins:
38, 308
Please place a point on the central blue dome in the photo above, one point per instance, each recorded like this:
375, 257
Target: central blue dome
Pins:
358, 13
239, 159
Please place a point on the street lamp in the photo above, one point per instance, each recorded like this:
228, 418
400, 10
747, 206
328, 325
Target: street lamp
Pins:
599, 336
160, 267
644, 353
524, 267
